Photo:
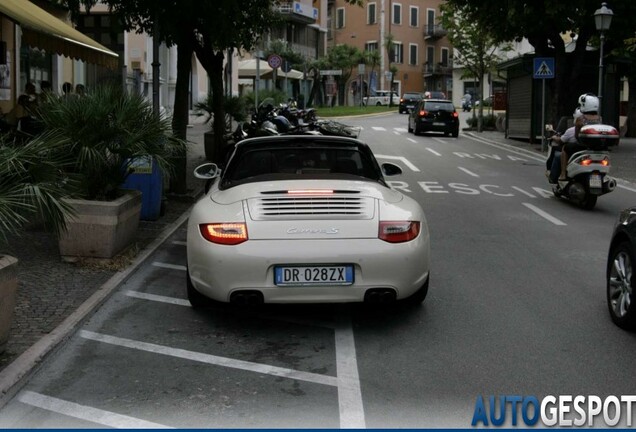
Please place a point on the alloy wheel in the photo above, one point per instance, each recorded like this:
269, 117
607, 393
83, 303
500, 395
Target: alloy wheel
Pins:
619, 284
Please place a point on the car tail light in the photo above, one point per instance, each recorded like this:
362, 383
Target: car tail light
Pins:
455, 114
401, 100
310, 192
224, 233
399, 231
423, 113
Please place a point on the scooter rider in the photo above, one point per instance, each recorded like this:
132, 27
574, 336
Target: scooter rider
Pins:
588, 104
553, 164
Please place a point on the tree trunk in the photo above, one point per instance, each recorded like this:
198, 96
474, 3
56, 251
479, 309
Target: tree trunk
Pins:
180, 116
212, 62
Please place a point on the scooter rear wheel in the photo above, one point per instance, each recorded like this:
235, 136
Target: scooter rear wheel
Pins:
589, 202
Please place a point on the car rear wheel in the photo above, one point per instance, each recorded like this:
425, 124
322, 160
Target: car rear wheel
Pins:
197, 300
455, 134
620, 278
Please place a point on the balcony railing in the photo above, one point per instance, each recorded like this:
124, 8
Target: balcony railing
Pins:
437, 68
434, 31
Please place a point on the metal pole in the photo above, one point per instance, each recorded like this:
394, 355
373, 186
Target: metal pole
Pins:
543, 141
600, 76
258, 78
155, 67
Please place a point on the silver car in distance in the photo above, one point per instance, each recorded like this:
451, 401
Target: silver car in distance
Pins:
305, 219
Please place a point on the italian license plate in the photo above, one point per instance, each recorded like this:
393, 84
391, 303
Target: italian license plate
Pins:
596, 181
313, 275
439, 124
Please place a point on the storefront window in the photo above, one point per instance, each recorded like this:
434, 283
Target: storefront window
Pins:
35, 67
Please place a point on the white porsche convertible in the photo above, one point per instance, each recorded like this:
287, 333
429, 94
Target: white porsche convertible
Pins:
305, 219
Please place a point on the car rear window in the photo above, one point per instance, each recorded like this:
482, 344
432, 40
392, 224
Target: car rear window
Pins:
412, 95
284, 163
439, 106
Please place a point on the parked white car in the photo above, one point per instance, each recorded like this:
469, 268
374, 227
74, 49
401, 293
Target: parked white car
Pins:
381, 98
305, 219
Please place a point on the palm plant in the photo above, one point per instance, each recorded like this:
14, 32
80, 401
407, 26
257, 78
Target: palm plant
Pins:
105, 131
33, 183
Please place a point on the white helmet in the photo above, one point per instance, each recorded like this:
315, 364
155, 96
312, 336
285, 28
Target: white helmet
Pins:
588, 103
577, 113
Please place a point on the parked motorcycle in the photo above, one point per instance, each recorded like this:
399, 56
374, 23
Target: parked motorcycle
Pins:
587, 171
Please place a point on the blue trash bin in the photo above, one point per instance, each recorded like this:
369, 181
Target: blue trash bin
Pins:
147, 178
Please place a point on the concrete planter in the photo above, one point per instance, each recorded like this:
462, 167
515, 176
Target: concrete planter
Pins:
8, 294
101, 229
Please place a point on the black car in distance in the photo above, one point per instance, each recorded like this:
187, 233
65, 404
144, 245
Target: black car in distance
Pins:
434, 115
408, 101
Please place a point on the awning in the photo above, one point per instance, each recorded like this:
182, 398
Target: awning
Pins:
247, 68
42, 30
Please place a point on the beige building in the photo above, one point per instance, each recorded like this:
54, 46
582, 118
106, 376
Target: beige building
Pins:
422, 53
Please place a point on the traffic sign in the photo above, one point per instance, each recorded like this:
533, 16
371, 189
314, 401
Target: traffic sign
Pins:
286, 66
543, 68
274, 61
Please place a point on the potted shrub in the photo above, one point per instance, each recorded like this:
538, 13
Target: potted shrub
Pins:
106, 131
32, 185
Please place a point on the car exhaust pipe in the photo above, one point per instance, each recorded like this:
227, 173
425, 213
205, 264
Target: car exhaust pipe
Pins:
380, 295
247, 298
611, 184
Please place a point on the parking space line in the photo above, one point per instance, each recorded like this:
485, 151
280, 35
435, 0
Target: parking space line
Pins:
433, 151
378, 128
349, 392
468, 172
158, 298
545, 215
169, 266
211, 359
179, 243
440, 140
412, 140
401, 130
83, 412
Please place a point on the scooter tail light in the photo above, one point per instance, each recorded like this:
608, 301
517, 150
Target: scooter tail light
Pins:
586, 162
227, 233
398, 231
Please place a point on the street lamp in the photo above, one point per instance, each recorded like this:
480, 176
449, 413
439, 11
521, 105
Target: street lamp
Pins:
603, 19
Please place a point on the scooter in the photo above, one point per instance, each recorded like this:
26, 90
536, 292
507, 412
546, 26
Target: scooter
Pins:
466, 106
587, 171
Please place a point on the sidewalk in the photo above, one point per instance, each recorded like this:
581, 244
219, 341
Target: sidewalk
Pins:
50, 290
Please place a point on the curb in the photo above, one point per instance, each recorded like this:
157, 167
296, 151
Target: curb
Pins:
16, 374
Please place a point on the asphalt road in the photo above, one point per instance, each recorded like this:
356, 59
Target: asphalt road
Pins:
516, 306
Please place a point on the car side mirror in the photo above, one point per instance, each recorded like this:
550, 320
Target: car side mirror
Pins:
207, 171
390, 169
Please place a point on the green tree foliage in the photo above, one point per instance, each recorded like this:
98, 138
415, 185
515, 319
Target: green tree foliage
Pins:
475, 50
345, 58
544, 23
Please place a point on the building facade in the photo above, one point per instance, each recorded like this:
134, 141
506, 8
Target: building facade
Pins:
421, 53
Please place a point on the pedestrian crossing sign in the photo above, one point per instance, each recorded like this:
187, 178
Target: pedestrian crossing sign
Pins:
543, 67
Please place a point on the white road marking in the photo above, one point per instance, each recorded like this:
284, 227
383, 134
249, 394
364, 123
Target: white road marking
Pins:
401, 130
433, 151
179, 243
468, 172
211, 359
396, 133
526, 153
626, 188
169, 266
412, 140
158, 298
83, 412
400, 158
378, 128
545, 215
440, 140
349, 393
523, 192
